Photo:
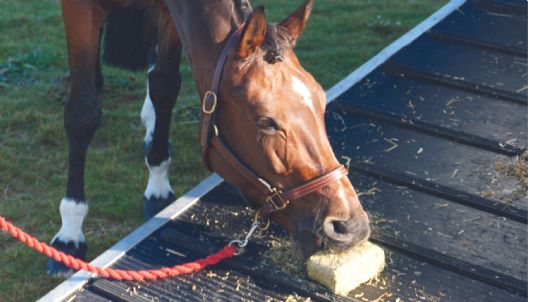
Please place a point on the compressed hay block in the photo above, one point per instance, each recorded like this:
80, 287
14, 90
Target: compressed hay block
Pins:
342, 272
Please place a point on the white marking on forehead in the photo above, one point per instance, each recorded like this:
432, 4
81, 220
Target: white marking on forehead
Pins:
300, 88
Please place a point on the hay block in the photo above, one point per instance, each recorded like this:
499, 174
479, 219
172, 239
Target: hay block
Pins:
342, 272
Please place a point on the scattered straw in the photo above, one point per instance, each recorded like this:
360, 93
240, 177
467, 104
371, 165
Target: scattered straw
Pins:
519, 169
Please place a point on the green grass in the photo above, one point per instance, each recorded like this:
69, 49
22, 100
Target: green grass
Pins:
341, 35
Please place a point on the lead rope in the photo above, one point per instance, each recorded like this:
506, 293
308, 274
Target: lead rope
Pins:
230, 250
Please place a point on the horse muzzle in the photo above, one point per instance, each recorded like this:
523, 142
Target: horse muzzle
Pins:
333, 234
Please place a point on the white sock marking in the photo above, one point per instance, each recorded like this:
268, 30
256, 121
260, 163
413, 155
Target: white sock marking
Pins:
148, 116
300, 88
72, 218
158, 185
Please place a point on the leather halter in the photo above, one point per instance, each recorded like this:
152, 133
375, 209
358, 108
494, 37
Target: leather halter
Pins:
275, 199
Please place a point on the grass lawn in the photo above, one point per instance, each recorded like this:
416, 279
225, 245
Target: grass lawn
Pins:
341, 35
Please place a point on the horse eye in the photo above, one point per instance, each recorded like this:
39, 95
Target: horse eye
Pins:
267, 124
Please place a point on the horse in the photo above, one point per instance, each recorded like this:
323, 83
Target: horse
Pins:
261, 127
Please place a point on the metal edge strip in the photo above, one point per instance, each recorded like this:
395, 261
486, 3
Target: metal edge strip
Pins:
357, 75
79, 279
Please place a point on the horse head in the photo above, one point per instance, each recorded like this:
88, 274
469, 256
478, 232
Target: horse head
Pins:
271, 114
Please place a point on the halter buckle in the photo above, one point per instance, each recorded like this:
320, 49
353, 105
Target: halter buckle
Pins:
276, 200
212, 108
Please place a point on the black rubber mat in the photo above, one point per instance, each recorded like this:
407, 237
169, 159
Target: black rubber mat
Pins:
445, 227
431, 135
410, 156
486, 28
509, 7
88, 296
441, 110
469, 66
210, 223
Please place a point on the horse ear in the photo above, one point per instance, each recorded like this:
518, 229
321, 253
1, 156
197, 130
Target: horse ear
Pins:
254, 32
295, 23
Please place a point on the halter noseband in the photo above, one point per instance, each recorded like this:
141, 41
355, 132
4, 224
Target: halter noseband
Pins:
275, 199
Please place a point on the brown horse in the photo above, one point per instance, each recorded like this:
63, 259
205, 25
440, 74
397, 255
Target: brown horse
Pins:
268, 138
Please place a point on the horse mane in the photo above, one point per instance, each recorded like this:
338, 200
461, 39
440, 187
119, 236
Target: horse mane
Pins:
243, 7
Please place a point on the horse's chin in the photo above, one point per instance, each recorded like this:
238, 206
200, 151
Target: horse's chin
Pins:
305, 243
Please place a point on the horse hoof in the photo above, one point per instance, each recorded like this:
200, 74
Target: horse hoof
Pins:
154, 205
58, 269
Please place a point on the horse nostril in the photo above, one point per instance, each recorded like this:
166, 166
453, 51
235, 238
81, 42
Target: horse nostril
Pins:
340, 227
347, 231
339, 230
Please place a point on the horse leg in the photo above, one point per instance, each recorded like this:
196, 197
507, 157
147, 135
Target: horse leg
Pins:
83, 20
163, 87
99, 79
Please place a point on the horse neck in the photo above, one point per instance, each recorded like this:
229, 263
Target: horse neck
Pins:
204, 26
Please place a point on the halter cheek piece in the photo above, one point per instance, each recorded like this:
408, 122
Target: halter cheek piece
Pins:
209, 136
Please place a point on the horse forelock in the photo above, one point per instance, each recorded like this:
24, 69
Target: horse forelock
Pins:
276, 38
275, 43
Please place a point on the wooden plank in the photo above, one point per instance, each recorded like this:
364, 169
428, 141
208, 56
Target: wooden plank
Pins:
460, 114
184, 235
87, 296
513, 7
214, 284
451, 264
412, 280
425, 157
446, 227
472, 24
479, 67
441, 191
405, 277
518, 3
